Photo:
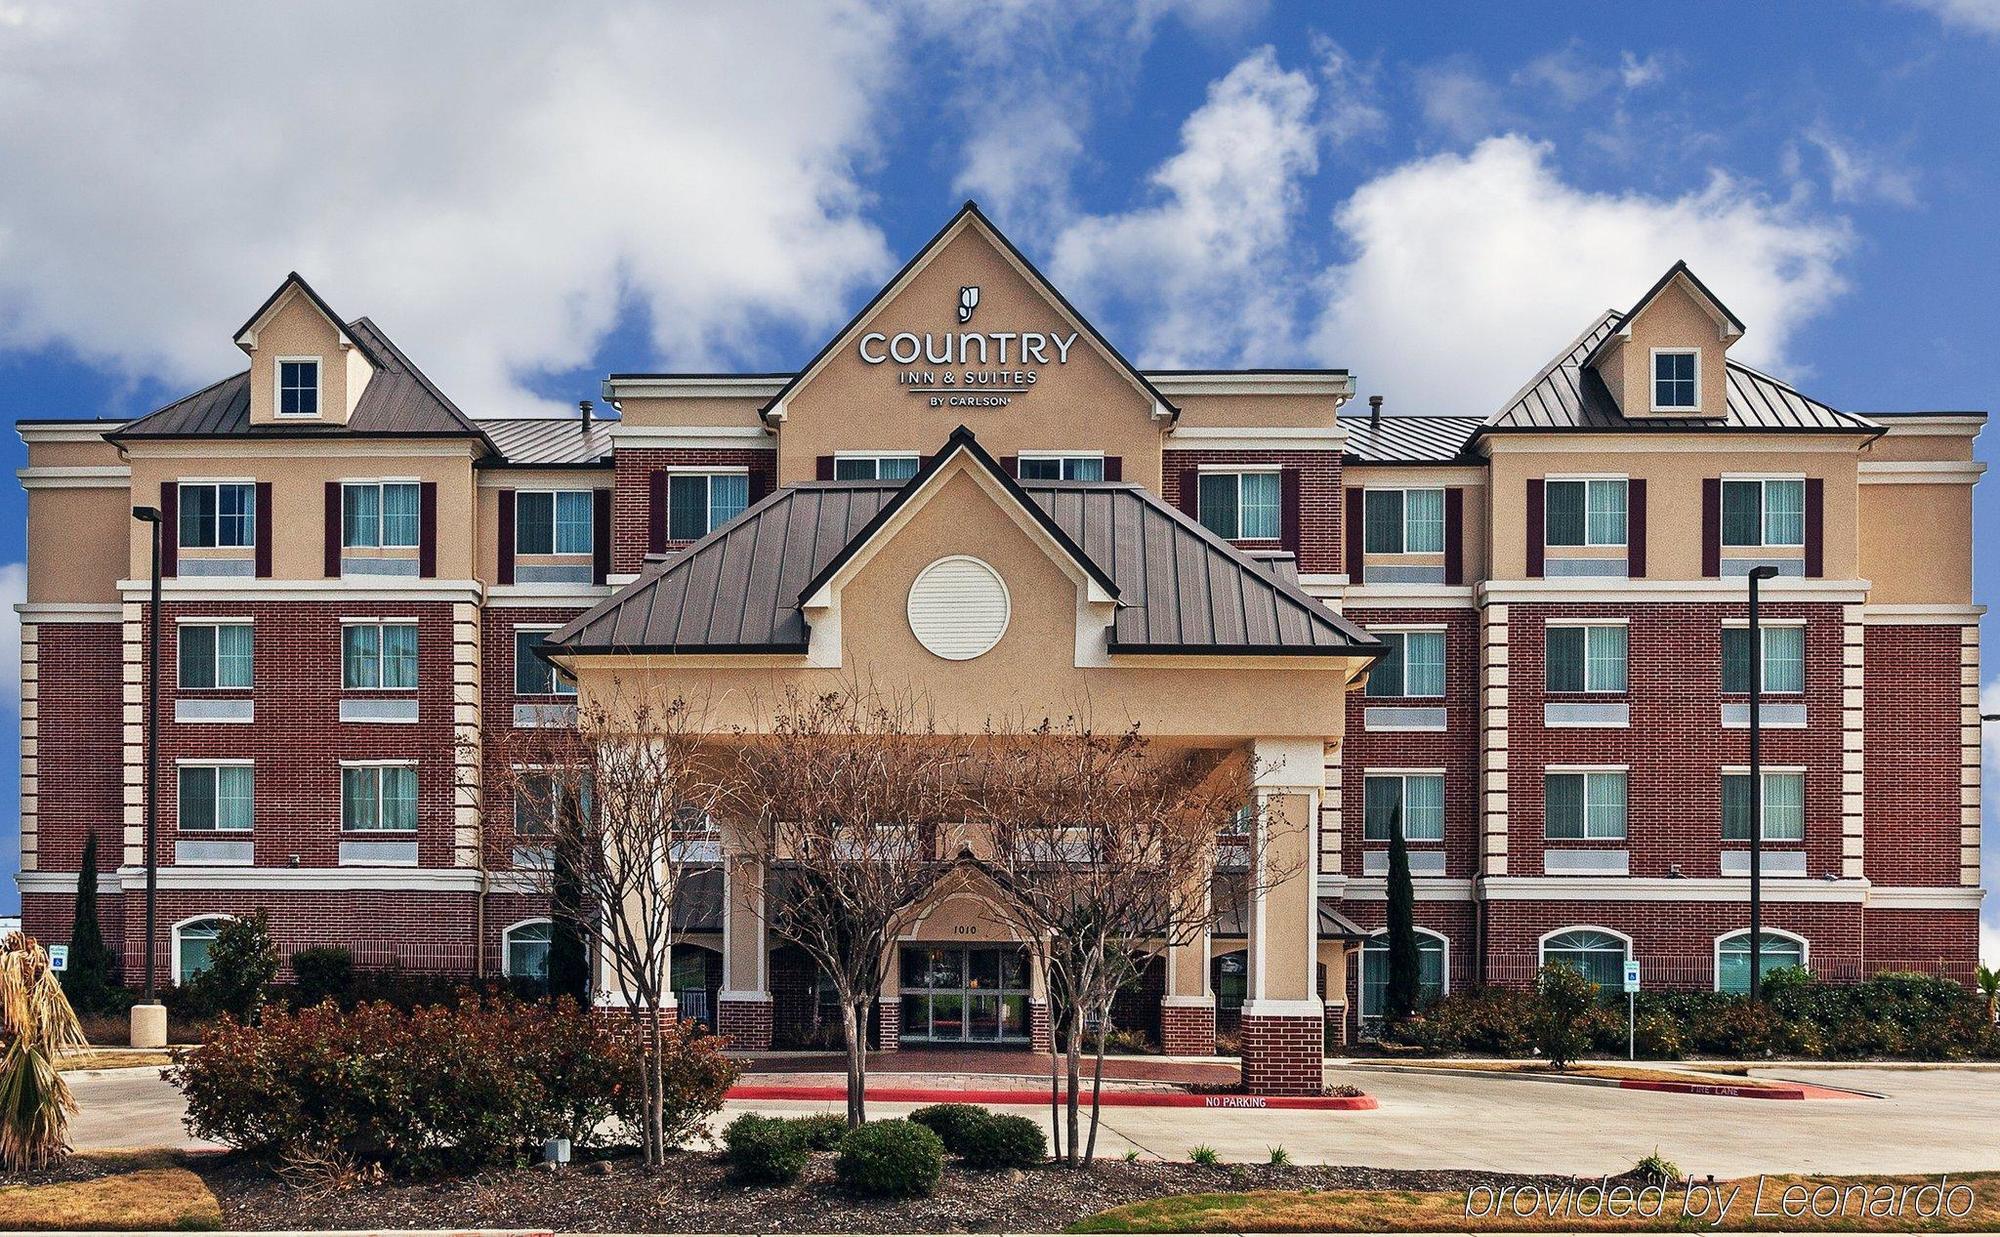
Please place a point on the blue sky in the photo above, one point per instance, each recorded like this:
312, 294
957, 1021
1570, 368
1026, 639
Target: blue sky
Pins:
1436, 197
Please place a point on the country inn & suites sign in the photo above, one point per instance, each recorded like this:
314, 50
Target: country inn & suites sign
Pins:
1002, 359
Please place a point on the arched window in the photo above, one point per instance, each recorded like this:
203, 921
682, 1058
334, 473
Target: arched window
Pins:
1433, 975
1598, 953
192, 941
526, 951
1775, 950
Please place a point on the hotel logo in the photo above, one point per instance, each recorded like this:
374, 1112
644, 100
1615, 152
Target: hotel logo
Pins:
1014, 358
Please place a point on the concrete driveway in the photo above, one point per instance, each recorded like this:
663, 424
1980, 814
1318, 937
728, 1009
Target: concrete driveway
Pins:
1941, 1120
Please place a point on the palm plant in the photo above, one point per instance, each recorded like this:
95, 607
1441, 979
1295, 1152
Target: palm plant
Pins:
37, 1029
1989, 984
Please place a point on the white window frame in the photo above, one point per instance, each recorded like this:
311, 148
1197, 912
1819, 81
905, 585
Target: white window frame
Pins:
174, 934
1406, 630
1587, 623
506, 940
378, 624
1444, 803
1764, 661
377, 484
181, 624
1404, 491
185, 484
1764, 801
1586, 480
555, 492
278, 387
1239, 471
838, 456
557, 675
215, 762
1542, 946
379, 832
1382, 935
1064, 457
1763, 481
1653, 380
1805, 949
1585, 771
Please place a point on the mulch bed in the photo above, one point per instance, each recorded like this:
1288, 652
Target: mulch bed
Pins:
695, 1194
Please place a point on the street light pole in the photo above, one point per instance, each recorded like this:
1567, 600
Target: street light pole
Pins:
1757, 576
149, 1019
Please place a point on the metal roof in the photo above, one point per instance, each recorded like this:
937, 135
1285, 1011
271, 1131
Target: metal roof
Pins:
1180, 588
1566, 394
550, 442
1409, 438
399, 400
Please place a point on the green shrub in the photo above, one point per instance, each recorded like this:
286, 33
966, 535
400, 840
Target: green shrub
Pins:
1657, 1037
821, 1131
1656, 1169
890, 1159
1002, 1142
242, 963
1204, 1155
1563, 1001
764, 1149
325, 974
1496, 1021
1280, 1158
951, 1123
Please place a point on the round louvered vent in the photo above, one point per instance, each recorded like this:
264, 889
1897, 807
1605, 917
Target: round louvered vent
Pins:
959, 607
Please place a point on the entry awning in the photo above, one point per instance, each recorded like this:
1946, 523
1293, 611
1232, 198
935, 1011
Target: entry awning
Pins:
1334, 926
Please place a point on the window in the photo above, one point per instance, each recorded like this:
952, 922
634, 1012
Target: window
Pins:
1414, 666
1417, 797
1240, 506
1764, 513
553, 521
872, 468
1674, 379
1584, 805
1774, 952
214, 656
1402, 521
534, 675
527, 950
1433, 977
298, 388
218, 515
192, 942
378, 656
1584, 513
1584, 658
1062, 468
698, 503
217, 798
378, 798
1784, 659
1600, 956
1784, 807
539, 801
379, 515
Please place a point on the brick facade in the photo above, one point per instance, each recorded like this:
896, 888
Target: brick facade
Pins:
1319, 537
1188, 1030
1283, 1055
631, 503
1912, 731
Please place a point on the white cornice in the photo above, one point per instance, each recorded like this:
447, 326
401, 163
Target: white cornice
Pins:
1376, 888
348, 588
1940, 426
1255, 438
176, 876
1911, 898
329, 447
582, 596
1226, 382
1645, 592
1921, 472
694, 386
75, 477
1631, 442
68, 611
1922, 615
1390, 475
1665, 889
1415, 596
712, 437
69, 431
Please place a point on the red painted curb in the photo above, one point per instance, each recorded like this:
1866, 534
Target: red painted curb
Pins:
1714, 1088
1109, 1099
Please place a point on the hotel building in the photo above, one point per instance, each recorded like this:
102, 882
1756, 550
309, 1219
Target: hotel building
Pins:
1521, 631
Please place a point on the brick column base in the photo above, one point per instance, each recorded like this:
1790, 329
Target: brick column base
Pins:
1040, 1037
1188, 1030
746, 1024
1282, 1054
1336, 1023
888, 1025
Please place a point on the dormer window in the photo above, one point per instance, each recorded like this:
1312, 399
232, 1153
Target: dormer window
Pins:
298, 386
1676, 380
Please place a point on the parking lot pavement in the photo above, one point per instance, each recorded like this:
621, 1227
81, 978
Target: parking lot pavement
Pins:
1941, 1120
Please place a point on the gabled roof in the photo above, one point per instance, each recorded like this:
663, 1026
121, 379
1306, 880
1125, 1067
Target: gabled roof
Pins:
1179, 588
1410, 438
296, 280
1709, 300
399, 401
1568, 394
971, 212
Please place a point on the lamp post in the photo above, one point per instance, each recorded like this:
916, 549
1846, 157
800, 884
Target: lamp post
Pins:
1757, 576
149, 1018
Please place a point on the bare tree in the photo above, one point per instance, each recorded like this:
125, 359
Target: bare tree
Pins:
623, 805
1106, 845
846, 801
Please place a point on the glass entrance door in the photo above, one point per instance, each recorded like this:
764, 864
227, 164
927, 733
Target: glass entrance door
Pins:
965, 994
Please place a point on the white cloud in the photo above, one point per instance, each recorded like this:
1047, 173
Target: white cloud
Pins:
1457, 101
13, 591
1859, 175
1347, 87
1492, 255
1197, 277
1568, 73
495, 183
1978, 16
1634, 73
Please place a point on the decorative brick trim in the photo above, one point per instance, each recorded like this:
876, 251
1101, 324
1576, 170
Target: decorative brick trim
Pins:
1853, 797
1969, 757
746, 1025
1041, 1037
468, 793
888, 1025
1187, 1030
1336, 1023
132, 632
1329, 812
1493, 741
1283, 1055
30, 751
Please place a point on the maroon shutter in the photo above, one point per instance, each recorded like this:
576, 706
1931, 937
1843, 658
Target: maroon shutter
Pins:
760, 484
1711, 527
170, 528
1815, 522
825, 468
263, 530
656, 513
1352, 514
1537, 537
1454, 536
1635, 528
1288, 509
1114, 468
1190, 496
506, 572
600, 537
1011, 465
427, 530
332, 552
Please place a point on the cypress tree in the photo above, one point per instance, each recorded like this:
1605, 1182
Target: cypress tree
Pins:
1401, 998
88, 981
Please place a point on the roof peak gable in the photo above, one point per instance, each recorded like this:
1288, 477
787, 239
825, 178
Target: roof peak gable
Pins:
1680, 273
246, 335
